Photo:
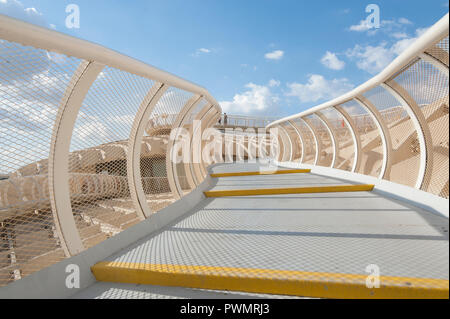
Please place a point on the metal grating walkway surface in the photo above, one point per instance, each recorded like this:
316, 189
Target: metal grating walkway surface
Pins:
334, 236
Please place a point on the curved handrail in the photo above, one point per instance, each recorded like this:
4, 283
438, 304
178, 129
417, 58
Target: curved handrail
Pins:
402, 109
28, 34
433, 34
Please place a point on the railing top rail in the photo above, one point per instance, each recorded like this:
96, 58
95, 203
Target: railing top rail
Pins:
31, 35
439, 30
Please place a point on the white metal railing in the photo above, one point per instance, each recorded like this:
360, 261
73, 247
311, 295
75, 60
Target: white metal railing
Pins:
77, 166
393, 127
245, 121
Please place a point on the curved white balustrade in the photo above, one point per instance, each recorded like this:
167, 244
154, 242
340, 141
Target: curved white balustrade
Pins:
84, 141
393, 127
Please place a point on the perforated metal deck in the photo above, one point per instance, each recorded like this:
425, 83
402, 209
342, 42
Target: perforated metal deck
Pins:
333, 233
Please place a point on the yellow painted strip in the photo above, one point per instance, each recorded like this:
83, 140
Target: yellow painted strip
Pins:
284, 282
290, 190
278, 172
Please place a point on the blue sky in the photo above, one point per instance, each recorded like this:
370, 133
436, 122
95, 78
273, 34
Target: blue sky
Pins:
261, 57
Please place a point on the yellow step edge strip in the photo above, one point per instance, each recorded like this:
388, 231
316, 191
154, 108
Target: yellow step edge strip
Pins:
270, 281
290, 190
278, 172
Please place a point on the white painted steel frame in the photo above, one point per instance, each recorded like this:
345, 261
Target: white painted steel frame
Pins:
420, 125
384, 134
172, 173
435, 33
134, 149
355, 137
286, 134
384, 79
94, 58
316, 142
292, 123
58, 162
327, 124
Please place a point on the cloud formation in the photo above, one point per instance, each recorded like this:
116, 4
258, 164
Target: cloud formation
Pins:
16, 9
201, 51
331, 61
274, 55
318, 88
374, 59
257, 99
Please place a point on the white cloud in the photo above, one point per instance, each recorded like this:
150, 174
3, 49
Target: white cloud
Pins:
331, 61
421, 31
362, 26
387, 26
201, 51
273, 83
16, 9
257, 99
399, 35
373, 59
404, 21
319, 88
274, 55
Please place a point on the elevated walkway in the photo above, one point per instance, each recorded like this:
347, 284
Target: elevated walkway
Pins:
311, 244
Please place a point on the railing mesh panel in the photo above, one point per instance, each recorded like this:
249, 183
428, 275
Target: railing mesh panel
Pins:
371, 144
292, 147
297, 145
183, 167
346, 149
324, 138
153, 156
406, 148
309, 146
98, 181
32, 84
428, 86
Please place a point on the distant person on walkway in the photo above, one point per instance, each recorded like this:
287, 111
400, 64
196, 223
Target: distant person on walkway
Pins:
225, 119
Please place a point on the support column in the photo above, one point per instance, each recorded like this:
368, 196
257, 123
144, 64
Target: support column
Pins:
316, 143
195, 147
384, 133
172, 174
422, 129
292, 123
135, 146
289, 142
210, 123
58, 162
328, 126
435, 62
316, 139
355, 135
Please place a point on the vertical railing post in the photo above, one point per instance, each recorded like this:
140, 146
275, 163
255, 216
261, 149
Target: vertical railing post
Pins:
328, 126
134, 149
195, 143
172, 174
355, 136
316, 142
58, 162
384, 133
292, 123
421, 127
